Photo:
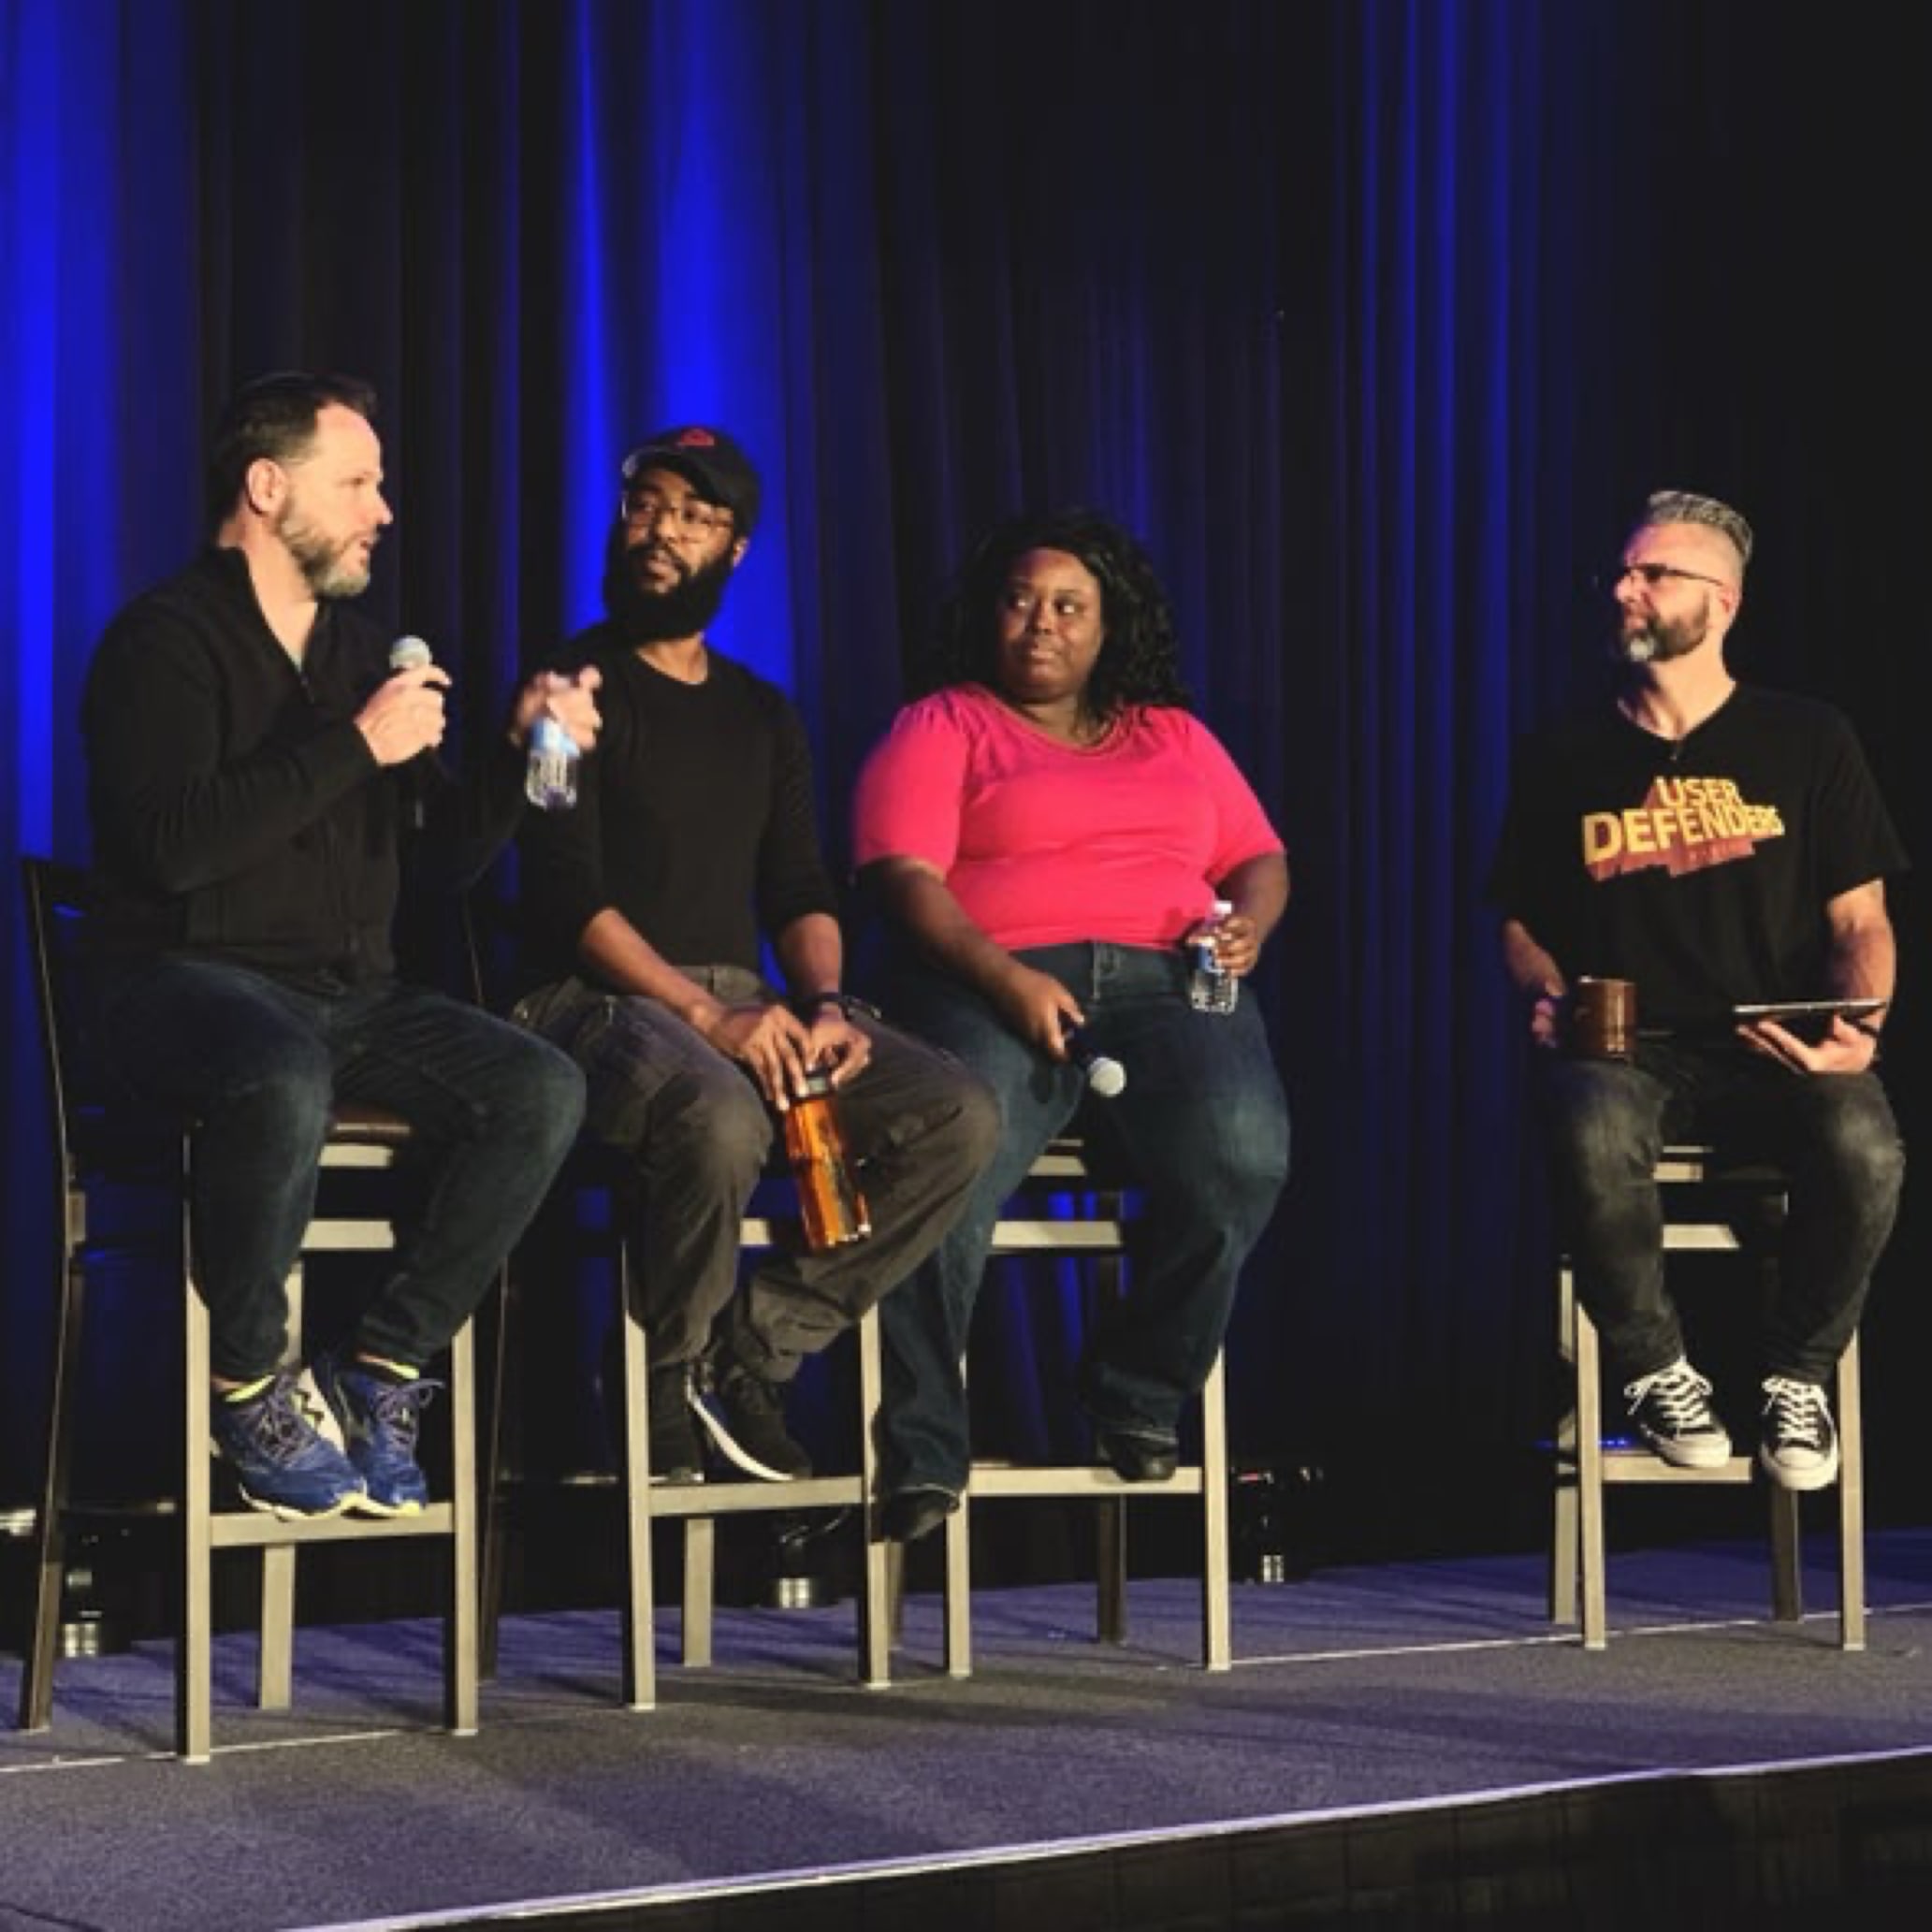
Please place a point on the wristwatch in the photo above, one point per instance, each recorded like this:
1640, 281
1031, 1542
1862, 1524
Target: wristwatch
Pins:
847, 1004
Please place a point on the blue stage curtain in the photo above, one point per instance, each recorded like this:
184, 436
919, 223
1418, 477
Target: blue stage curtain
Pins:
1375, 317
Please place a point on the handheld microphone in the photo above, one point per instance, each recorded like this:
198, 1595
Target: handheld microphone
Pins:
1105, 1077
412, 654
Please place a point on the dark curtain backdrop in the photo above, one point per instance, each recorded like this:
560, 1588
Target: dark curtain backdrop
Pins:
1375, 317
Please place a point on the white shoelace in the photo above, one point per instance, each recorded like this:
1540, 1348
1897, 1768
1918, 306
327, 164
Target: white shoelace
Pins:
1795, 1414
1681, 1393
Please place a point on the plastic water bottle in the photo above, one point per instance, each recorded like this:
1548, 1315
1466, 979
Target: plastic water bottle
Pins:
1210, 988
550, 783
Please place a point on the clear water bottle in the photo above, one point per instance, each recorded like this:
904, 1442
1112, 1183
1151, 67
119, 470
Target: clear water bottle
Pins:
1211, 987
550, 782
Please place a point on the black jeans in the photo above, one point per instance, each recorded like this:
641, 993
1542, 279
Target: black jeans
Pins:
255, 1066
1834, 1134
920, 1126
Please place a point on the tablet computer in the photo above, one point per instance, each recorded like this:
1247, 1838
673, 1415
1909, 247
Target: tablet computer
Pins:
1809, 1019
1781, 1009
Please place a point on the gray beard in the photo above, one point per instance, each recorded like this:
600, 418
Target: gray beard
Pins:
322, 565
1659, 642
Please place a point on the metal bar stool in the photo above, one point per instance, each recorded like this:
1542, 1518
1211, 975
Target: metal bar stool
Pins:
1702, 1198
92, 1148
768, 1222
1035, 1223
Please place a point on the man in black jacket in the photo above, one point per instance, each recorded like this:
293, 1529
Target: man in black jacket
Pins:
253, 762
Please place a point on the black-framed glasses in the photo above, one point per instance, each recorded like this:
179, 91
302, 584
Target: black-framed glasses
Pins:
1652, 575
693, 521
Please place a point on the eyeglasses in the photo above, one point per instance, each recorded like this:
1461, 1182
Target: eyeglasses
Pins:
1652, 575
690, 522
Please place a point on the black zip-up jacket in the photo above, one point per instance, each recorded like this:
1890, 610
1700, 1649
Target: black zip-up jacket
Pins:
238, 812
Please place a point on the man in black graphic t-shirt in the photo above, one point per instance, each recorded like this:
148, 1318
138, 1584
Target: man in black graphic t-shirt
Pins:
1720, 844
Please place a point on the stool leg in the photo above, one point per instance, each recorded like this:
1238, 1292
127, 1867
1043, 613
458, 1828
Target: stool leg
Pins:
1850, 1500
956, 1598
1107, 1282
1589, 1477
461, 1647
275, 1655
640, 1652
896, 1590
1565, 1528
195, 1631
1787, 1576
959, 1588
50, 1528
493, 1479
1111, 1568
699, 1588
877, 1605
1217, 1609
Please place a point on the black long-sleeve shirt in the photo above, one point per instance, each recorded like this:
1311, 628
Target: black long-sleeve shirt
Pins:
238, 812
695, 820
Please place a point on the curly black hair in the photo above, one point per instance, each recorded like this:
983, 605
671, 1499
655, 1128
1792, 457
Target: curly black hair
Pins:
1140, 660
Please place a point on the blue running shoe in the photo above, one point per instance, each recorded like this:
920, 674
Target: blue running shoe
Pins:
378, 1416
284, 1464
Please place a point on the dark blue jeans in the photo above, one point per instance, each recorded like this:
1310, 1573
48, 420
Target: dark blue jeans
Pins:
256, 1066
1201, 1129
1607, 1121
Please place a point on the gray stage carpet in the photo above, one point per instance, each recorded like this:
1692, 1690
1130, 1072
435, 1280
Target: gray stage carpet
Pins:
1357, 1692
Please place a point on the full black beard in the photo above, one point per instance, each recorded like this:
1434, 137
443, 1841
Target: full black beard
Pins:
643, 616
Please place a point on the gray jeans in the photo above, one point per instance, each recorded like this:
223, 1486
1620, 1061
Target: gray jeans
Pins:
921, 1127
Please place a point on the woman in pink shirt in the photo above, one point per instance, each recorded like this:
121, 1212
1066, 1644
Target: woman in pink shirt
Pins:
1046, 835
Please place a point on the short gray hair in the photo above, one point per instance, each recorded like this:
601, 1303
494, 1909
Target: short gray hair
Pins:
1686, 506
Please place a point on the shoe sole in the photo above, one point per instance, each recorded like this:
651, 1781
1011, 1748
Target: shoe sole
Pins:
1143, 1476
366, 1504
735, 1451
1801, 1480
1153, 1459
288, 1513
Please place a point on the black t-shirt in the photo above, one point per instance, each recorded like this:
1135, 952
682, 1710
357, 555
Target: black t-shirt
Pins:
1699, 868
695, 818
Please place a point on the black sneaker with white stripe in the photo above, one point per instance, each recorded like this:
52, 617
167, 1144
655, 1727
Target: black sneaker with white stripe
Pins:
746, 1417
1799, 1443
1673, 1414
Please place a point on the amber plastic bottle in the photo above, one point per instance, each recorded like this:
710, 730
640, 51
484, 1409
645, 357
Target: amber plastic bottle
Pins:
829, 1201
